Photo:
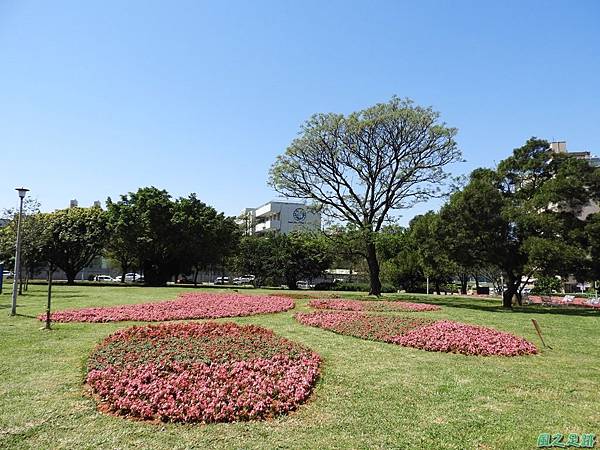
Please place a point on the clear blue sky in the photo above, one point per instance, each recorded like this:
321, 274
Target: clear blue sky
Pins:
100, 98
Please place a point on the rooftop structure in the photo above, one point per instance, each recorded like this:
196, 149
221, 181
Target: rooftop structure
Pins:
561, 147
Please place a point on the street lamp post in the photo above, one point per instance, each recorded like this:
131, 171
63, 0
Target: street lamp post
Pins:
13, 311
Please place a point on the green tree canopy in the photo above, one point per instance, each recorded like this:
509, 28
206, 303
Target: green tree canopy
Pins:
75, 237
361, 167
166, 237
286, 258
525, 216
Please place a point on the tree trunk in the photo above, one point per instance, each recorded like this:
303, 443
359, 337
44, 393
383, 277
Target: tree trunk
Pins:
124, 269
476, 281
292, 282
196, 277
464, 280
20, 281
70, 277
48, 305
507, 296
437, 287
373, 263
519, 298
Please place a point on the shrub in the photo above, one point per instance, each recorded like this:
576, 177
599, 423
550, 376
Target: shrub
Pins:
546, 285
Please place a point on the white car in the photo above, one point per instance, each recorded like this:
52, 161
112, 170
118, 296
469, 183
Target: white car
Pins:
105, 278
246, 279
222, 280
304, 285
132, 276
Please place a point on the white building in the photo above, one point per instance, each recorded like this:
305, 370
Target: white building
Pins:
280, 217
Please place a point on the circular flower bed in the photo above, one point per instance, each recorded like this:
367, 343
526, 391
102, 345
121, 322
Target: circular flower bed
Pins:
366, 305
190, 305
200, 372
426, 334
455, 337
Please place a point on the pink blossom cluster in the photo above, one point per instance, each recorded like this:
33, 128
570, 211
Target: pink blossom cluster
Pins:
440, 335
190, 305
455, 337
220, 377
365, 305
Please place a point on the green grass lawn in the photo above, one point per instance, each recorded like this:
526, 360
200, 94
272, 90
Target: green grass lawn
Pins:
370, 395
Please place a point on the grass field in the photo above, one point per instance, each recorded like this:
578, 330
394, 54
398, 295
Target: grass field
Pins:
370, 395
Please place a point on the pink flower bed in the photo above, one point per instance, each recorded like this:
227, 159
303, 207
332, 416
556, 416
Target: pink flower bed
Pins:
430, 335
367, 326
455, 337
190, 305
200, 372
365, 305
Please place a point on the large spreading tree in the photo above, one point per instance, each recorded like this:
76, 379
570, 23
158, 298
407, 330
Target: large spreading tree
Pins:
362, 167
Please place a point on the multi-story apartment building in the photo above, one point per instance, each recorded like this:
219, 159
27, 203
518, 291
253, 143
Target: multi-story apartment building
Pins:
280, 217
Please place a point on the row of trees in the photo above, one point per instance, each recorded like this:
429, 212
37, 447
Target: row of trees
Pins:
145, 230
523, 218
527, 218
283, 258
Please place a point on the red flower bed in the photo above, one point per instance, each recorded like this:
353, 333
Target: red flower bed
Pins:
365, 305
190, 305
200, 372
430, 335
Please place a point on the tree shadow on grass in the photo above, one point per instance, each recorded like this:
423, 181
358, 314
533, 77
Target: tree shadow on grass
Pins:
25, 315
530, 309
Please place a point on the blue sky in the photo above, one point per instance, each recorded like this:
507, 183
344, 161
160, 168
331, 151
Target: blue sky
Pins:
100, 98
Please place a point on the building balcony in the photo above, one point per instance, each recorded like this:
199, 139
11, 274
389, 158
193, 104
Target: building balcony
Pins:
269, 225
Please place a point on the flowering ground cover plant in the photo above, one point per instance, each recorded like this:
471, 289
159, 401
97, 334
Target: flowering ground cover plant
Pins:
426, 334
189, 305
200, 372
363, 305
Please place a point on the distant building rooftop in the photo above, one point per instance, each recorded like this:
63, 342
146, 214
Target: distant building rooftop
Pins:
561, 147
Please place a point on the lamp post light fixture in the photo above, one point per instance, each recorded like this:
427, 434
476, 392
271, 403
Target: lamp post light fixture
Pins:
22, 193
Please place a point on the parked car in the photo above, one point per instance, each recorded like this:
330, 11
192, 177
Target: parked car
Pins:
302, 284
222, 280
7, 274
246, 279
104, 278
132, 276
